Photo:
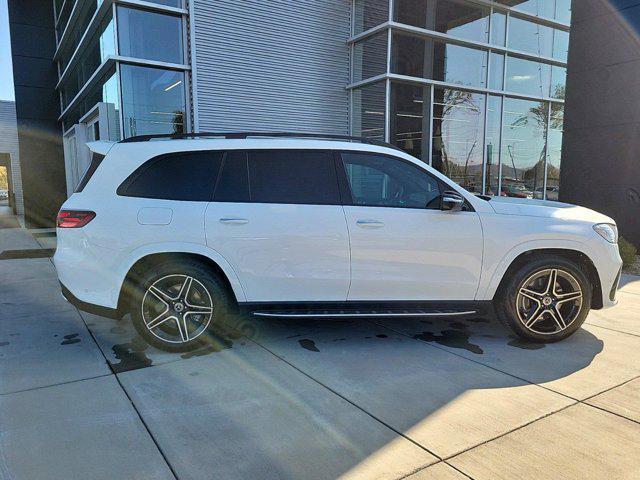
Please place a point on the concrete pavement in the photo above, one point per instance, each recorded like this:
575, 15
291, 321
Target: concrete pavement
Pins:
82, 397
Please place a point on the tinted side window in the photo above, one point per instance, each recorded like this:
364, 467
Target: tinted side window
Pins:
233, 184
293, 176
382, 181
175, 176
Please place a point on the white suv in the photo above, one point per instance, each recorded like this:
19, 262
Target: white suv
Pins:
181, 233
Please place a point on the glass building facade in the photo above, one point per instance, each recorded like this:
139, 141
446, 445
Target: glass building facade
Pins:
472, 87
129, 56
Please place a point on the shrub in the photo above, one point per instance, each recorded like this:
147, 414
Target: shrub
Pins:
627, 251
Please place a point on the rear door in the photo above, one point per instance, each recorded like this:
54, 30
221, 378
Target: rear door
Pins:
403, 247
277, 218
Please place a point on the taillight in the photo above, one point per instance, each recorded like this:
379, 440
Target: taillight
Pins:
74, 218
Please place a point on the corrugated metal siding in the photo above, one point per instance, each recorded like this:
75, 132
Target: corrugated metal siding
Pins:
276, 65
9, 144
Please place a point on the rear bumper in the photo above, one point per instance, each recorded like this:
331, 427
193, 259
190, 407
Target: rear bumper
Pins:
88, 307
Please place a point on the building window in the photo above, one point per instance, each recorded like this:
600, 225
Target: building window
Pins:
428, 58
524, 148
554, 151
369, 57
448, 96
454, 17
99, 48
528, 77
458, 136
410, 113
149, 35
369, 13
153, 100
367, 109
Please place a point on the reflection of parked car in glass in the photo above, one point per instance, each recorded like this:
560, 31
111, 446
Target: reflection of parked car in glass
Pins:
4, 194
516, 190
552, 192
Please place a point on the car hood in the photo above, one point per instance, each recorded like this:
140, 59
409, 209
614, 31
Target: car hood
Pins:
546, 208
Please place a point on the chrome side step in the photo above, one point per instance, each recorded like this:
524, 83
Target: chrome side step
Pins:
360, 313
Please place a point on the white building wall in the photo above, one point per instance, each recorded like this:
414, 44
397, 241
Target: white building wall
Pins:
280, 65
9, 144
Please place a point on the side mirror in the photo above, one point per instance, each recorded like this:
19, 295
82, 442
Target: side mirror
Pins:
452, 201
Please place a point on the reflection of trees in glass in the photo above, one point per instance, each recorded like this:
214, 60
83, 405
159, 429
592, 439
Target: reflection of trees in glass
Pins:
454, 99
538, 117
178, 122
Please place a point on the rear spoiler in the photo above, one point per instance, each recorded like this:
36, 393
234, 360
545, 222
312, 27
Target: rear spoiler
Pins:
101, 147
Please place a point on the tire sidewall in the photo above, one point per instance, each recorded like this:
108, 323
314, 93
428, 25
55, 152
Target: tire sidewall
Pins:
507, 302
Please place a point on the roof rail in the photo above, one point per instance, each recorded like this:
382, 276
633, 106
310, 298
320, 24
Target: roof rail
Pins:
244, 135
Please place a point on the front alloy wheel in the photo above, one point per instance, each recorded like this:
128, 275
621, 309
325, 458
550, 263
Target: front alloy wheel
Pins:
545, 299
549, 301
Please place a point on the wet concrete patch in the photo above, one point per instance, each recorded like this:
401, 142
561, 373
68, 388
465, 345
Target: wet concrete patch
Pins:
459, 326
27, 253
70, 339
217, 345
525, 345
132, 356
478, 320
2, 344
308, 345
450, 338
382, 335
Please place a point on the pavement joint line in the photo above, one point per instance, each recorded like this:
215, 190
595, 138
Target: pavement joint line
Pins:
133, 405
347, 400
575, 400
597, 407
478, 362
546, 415
612, 329
55, 384
433, 465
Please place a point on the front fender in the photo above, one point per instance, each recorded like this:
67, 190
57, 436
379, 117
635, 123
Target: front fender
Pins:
491, 279
177, 247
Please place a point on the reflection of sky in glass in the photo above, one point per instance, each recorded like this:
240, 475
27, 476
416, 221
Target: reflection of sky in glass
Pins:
465, 66
527, 77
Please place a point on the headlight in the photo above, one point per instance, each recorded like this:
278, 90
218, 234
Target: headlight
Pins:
607, 231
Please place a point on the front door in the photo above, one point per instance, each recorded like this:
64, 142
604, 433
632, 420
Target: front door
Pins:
403, 247
277, 219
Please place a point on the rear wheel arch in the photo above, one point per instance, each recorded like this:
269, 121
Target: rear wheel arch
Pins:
575, 256
142, 264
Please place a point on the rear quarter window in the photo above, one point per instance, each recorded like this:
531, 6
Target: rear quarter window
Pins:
187, 176
96, 160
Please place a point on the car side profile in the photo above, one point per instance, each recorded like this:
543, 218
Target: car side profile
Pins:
183, 232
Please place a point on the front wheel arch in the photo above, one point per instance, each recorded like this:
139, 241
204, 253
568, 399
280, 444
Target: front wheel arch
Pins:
575, 256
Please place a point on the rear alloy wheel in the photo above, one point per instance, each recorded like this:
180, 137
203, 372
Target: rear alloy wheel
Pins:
177, 309
177, 304
546, 300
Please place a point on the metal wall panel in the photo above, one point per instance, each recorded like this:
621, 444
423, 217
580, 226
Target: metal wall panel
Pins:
9, 144
276, 65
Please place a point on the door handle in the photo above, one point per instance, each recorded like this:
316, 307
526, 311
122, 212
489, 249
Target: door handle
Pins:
369, 223
234, 221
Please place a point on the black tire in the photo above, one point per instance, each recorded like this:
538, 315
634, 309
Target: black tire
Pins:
172, 271
513, 314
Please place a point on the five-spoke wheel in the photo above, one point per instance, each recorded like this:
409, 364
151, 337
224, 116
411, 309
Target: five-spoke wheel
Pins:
544, 298
177, 308
549, 301
176, 304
